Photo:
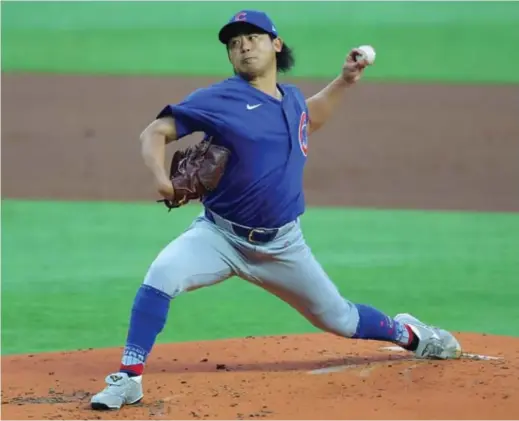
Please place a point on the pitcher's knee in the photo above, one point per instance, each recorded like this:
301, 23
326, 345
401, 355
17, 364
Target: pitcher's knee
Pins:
160, 276
341, 318
176, 275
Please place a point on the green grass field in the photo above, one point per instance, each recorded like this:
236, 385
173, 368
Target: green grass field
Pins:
416, 41
70, 271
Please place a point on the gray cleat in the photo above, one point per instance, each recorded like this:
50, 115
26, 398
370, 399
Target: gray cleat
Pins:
121, 390
434, 343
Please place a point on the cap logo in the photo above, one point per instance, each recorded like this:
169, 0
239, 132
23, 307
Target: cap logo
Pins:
240, 16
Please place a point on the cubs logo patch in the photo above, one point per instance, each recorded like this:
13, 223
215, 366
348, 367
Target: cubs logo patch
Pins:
303, 133
240, 16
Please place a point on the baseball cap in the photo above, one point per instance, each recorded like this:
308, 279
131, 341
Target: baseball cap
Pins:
251, 17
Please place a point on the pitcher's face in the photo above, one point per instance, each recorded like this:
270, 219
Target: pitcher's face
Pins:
253, 54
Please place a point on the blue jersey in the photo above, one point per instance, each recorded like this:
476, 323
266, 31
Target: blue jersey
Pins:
263, 183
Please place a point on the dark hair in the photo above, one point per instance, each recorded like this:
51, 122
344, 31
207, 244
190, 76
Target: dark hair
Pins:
285, 59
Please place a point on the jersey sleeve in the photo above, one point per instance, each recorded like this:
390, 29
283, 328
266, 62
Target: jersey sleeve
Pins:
198, 112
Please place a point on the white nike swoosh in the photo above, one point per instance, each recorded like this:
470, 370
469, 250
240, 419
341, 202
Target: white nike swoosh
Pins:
251, 107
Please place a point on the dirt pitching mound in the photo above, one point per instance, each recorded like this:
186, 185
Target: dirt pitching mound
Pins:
317, 376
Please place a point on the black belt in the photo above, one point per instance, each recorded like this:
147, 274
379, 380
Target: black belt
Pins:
252, 235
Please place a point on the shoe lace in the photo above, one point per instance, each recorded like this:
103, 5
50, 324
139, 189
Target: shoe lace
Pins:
432, 349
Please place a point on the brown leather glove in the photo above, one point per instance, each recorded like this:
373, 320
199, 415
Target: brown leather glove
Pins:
196, 171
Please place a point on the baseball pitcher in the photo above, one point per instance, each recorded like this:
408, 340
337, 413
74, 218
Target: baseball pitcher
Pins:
248, 173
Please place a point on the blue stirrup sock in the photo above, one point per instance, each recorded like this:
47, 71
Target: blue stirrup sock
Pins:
148, 318
375, 325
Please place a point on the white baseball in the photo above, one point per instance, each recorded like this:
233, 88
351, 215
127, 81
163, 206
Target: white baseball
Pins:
368, 53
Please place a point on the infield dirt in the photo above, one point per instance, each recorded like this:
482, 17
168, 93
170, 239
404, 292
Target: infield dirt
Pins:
388, 146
